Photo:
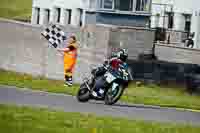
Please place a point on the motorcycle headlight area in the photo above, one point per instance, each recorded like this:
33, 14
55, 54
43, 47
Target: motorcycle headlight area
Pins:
109, 77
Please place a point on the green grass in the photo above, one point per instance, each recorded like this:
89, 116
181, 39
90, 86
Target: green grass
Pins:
16, 9
31, 120
38, 83
162, 96
149, 95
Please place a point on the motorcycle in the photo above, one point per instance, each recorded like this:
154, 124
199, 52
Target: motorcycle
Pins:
111, 84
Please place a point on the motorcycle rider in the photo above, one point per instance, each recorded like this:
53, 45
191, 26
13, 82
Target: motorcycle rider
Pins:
116, 59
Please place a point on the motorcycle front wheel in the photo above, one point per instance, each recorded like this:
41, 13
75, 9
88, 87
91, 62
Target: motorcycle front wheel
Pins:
112, 97
83, 94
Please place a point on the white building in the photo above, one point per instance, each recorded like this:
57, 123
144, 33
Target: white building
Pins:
180, 15
59, 11
81, 12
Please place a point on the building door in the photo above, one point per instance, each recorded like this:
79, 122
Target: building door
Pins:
38, 15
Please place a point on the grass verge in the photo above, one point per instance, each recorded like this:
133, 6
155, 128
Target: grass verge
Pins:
31, 120
16, 9
149, 95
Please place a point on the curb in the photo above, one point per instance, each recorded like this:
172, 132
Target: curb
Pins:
161, 107
190, 110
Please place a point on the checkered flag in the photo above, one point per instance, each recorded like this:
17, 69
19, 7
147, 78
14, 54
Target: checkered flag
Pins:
54, 35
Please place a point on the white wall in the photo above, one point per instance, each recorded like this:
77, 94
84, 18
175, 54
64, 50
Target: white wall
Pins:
43, 3
23, 49
181, 6
186, 6
69, 4
159, 9
163, 1
179, 22
190, 7
64, 5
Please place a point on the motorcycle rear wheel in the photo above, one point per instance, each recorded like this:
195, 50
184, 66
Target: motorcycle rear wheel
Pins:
83, 94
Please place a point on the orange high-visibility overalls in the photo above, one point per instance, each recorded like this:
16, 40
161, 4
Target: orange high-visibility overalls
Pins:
70, 60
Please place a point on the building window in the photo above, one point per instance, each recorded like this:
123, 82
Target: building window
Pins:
142, 5
81, 17
124, 5
70, 16
187, 26
107, 4
48, 15
187, 22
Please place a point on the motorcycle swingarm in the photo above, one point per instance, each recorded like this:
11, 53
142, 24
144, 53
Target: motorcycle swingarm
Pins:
86, 83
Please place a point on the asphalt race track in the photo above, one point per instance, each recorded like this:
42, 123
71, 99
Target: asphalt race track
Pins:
12, 95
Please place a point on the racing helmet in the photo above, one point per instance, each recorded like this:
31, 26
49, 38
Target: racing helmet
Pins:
122, 55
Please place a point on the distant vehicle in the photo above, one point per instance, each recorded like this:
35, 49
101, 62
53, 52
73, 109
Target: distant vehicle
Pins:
193, 80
